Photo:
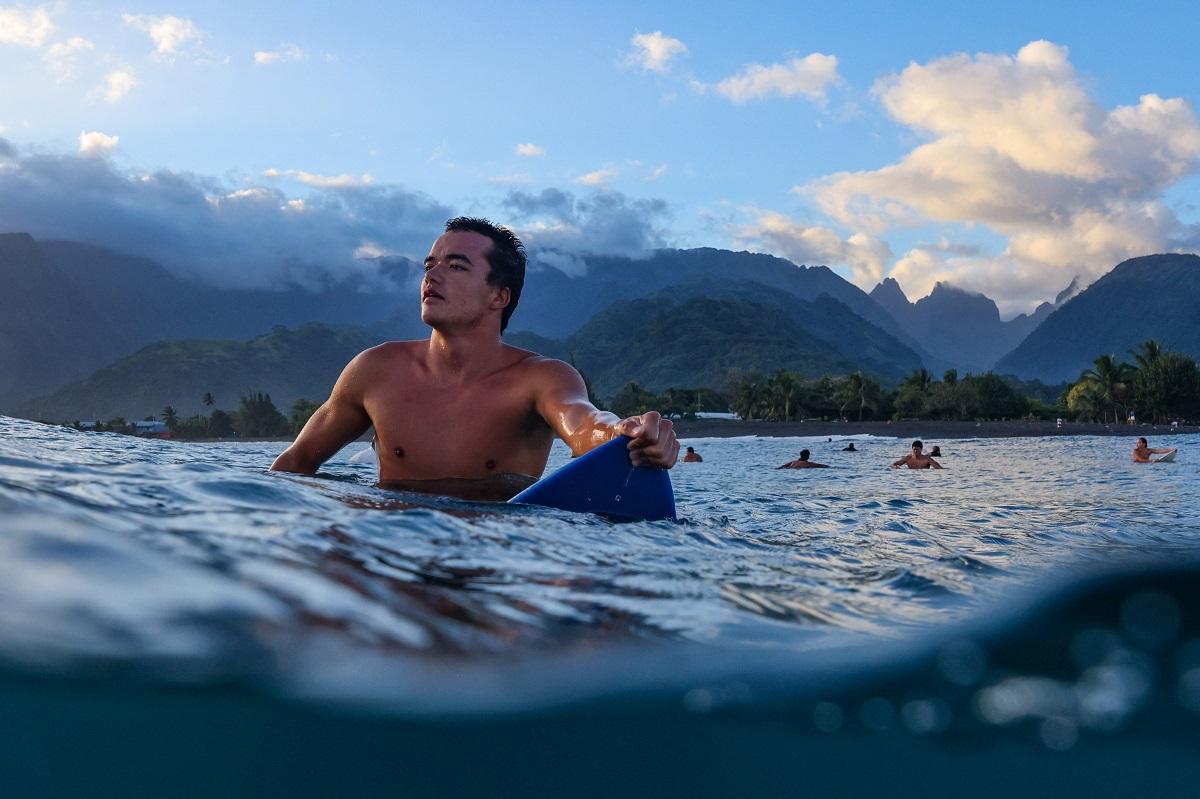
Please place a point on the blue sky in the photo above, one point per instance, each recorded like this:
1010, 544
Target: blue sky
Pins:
1003, 149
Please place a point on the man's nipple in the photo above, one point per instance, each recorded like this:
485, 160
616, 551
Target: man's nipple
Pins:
399, 452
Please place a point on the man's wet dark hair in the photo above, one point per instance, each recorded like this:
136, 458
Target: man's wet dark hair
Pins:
690, 449
506, 258
1143, 441
917, 444
803, 454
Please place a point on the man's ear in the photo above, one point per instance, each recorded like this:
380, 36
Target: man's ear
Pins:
501, 297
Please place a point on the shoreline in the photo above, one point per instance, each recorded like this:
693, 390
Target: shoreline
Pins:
922, 429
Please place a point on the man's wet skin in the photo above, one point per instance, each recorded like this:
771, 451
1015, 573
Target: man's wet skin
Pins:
497, 488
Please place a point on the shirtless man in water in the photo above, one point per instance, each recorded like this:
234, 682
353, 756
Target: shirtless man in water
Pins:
917, 459
803, 463
1142, 451
463, 413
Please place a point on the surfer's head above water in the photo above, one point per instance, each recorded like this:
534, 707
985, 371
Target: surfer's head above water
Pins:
505, 258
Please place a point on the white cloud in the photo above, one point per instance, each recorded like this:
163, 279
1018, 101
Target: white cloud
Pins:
866, 256
60, 57
653, 52
96, 143
558, 227
600, 177
530, 150
285, 52
1017, 145
24, 28
513, 179
343, 181
117, 84
810, 77
656, 173
169, 34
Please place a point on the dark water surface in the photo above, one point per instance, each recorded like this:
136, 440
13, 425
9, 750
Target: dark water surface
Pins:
176, 621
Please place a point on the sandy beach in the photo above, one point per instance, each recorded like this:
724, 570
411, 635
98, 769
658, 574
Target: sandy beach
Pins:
931, 430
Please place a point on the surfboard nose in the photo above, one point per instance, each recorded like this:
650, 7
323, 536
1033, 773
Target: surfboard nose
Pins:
604, 481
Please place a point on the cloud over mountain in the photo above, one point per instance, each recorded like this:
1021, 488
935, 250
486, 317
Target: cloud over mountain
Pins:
1016, 143
249, 236
605, 222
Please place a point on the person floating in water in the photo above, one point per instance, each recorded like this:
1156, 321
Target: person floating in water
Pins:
936, 452
917, 459
692, 456
849, 448
1142, 451
803, 463
462, 412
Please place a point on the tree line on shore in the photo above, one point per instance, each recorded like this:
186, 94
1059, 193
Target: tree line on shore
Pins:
256, 417
1159, 385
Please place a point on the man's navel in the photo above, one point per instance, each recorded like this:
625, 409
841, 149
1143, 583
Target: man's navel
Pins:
490, 464
398, 452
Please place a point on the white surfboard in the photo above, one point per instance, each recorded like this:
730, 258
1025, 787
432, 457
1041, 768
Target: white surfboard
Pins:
1170, 456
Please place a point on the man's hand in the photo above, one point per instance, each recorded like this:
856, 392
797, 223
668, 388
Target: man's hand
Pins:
654, 442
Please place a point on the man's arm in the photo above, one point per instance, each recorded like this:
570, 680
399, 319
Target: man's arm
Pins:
340, 420
934, 464
900, 462
563, 402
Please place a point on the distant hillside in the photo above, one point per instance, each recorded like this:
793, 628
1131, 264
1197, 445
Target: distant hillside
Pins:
1155, 296
960, 328
684, 338
855, 340
554, 303
66, 309
287, 364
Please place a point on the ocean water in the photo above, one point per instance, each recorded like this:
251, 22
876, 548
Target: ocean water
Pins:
174, 620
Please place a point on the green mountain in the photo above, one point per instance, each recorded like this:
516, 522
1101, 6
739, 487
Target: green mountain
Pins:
1155, 296
287, 364
691, 342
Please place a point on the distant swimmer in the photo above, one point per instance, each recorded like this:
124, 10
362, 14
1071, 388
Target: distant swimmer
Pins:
849, 448
692, 456
936, 452
1142, 452
803, 463
917, 459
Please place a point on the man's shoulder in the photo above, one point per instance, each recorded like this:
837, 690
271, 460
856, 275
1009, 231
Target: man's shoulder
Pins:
542, 366
390, 351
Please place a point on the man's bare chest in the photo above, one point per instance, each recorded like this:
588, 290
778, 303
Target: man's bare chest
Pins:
425, 431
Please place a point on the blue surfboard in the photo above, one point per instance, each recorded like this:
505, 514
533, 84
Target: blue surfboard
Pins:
604, 481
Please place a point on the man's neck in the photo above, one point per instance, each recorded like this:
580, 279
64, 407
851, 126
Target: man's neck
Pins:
458, 355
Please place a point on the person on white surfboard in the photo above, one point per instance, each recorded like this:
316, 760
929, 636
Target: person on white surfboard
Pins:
1142, 452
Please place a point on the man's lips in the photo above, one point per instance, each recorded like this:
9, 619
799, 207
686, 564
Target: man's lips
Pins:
430, 295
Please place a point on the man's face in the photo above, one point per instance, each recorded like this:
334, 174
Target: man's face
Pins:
455, 292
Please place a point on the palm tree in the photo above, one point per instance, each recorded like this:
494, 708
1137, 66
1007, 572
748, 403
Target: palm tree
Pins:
1147, 353
920, 379
208, 400
1111, 381
170, 417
